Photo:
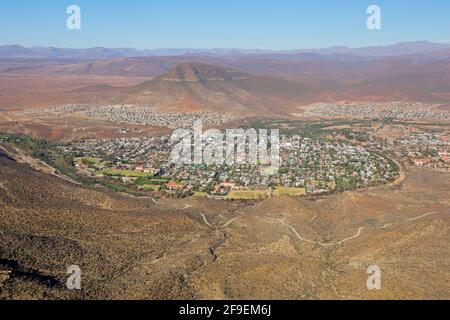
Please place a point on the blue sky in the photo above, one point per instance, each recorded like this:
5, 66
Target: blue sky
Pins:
262, 24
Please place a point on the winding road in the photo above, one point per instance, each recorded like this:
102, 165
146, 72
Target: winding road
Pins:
358, 233
425, 215
283, 222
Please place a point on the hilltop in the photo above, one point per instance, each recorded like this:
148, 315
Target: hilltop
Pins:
205, 87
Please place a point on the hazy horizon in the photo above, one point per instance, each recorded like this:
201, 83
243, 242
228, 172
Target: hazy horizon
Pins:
279, 26
444, 43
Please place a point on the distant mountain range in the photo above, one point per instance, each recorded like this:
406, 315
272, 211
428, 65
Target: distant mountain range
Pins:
252, 81
17, 51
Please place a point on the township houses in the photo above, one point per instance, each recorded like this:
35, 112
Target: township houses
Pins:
225, 187
420, 162
173, 186
444, 156
228, 185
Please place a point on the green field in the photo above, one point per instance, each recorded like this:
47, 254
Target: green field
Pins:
88, 159
289, 191
247, 195
125, 173
151, 187
94, 162
199, 194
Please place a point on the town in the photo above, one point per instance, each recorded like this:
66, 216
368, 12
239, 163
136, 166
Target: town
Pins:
397, 110
308, 167
132, 114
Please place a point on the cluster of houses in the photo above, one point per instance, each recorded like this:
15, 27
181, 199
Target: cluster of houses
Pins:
147, 116
134, 154
322, 166
56, 111
394, 110
133, 114
440, 160
424, 149
316, 165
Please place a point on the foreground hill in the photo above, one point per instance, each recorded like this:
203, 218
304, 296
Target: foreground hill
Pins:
281, 248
